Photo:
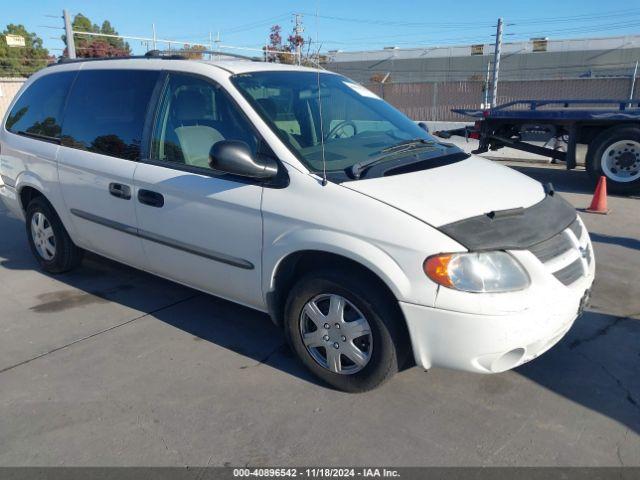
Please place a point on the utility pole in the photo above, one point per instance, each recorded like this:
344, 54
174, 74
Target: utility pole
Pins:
71, 46
496, 63
486, 84
298, 29
633, 82
155, 43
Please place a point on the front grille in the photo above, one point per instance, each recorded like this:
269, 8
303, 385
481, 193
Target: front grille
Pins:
570, 273
552, 248
563, 244
576, 228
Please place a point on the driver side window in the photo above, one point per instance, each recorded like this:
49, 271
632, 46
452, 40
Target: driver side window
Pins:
194, 115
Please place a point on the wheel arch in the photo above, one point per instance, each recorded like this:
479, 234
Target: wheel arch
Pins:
379, 267
28, 193
29, 186
296, 264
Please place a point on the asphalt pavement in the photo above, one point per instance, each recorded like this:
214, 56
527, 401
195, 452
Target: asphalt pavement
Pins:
107, 366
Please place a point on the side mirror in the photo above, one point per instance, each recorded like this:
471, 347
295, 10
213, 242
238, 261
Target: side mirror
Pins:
235, 157
424, 126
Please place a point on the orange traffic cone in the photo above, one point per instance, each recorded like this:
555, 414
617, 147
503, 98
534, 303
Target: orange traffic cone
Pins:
599, 202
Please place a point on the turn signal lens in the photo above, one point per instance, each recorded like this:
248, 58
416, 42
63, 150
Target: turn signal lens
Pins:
478, 272
437, 269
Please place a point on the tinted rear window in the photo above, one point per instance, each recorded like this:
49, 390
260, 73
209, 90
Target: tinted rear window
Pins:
106, 111
38, 110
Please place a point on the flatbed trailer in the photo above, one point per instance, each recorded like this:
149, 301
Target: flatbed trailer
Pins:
610, 128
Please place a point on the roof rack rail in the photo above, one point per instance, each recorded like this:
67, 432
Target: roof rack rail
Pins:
185, 55
165, 55
94, 59
161, 54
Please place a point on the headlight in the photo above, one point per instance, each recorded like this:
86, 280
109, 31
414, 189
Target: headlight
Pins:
477, 272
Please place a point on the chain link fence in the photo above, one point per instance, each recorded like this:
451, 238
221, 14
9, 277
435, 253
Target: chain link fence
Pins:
434, 100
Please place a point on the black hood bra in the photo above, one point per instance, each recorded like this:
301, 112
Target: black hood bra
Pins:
514, 229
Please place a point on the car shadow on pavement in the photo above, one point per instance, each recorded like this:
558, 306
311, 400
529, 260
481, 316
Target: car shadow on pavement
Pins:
632, 243
597, 365
573, 181
207, 318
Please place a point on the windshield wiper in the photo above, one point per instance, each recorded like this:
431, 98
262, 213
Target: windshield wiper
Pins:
407, 143
357, 169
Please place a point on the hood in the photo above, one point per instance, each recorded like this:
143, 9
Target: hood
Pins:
442, 195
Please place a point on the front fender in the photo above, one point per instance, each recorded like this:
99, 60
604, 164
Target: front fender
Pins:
353, 248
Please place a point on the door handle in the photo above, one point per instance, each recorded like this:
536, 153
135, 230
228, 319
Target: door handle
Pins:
120, 191
153, 199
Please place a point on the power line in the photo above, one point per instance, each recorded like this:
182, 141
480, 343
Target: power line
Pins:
521, 21
632, 20
586, 29
397, 23
574, 18
430, 43
253, 25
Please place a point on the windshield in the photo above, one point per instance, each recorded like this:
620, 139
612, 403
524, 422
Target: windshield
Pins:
303, 108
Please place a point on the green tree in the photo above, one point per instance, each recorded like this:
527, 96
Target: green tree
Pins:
114, 42
22, 61
89, 46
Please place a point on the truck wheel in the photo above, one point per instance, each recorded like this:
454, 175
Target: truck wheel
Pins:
48, 239
345, 330
615, 153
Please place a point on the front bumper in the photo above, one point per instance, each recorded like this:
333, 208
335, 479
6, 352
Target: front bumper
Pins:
490, 343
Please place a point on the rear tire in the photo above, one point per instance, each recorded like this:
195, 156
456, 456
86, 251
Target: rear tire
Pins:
49, 241
381, 349
615, 154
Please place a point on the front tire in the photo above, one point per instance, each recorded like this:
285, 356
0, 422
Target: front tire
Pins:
345, 329
615, 154
49, 241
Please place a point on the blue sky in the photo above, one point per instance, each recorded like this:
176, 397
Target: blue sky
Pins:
345, 24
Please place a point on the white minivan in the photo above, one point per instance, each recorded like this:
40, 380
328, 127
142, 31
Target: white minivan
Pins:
300, 193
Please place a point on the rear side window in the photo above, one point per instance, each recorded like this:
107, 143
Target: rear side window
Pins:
38, 111
106, 111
